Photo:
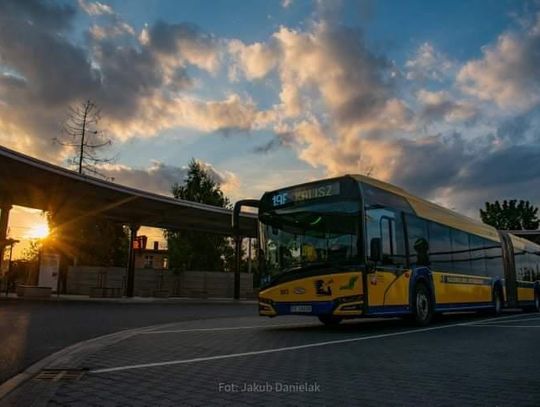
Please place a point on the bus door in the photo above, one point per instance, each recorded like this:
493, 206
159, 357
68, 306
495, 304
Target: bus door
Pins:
387, 282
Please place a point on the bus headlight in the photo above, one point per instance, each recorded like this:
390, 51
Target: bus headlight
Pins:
352, 298
266, 305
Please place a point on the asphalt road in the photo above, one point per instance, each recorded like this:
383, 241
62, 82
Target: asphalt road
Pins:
31, 330
461, 360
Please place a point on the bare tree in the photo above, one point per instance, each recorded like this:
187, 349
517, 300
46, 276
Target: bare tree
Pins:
80, 132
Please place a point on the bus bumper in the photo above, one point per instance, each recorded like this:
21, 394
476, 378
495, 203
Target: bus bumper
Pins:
344, 306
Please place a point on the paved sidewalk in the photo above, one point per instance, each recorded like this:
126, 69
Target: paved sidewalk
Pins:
32, 330
460, 361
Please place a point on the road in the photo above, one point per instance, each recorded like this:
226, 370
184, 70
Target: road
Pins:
461, 360
31, 330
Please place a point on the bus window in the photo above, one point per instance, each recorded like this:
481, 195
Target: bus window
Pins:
384, 222
440, 247
478, 256
418, 241
386, 225
494, 263
528, 268
461, 255
520, 260
536, 267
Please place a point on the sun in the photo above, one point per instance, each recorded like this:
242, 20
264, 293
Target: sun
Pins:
38, 231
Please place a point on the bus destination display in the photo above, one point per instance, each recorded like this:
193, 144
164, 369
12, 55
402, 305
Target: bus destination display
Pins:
305, 193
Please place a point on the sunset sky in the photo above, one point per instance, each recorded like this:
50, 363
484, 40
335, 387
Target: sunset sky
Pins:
442, 98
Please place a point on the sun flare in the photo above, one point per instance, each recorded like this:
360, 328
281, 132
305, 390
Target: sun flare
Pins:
38, 231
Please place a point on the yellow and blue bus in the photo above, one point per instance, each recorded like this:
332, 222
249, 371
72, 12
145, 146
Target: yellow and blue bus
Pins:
354, 246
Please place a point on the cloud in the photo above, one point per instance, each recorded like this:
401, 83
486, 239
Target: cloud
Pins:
500, 175
428, 64
255, 60
507, 74
342, 106
441, 105
95, 8
335, 96
141, 82
286, 3
157, 113
159, 177
185, 42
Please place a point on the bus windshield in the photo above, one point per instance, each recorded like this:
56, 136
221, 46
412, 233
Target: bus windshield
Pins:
308, 234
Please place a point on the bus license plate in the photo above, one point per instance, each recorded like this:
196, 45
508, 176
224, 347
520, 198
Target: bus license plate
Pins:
301, 308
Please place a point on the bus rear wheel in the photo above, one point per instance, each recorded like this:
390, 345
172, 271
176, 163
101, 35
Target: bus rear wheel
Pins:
330, 320
422, 305
537, 300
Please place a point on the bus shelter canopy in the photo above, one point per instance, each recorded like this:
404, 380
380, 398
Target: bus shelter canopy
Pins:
34, 183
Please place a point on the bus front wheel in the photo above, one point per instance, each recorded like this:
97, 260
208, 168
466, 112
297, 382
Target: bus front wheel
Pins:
330, 320
423, 305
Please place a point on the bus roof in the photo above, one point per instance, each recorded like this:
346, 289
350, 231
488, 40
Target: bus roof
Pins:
523, 244
429, 210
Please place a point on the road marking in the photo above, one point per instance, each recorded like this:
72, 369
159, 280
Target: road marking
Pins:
496, 320
232, 328
505, 326
275, 350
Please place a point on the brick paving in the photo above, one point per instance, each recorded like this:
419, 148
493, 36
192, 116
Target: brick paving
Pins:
467, 361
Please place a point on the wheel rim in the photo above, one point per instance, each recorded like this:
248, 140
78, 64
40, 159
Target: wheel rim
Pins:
422, 306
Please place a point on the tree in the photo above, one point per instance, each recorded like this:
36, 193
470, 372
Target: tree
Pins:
89, 240
190, 250
80, 133
511, 215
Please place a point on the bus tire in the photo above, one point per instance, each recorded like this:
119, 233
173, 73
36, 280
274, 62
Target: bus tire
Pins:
537, 300
497, 302
330, 320
422, 305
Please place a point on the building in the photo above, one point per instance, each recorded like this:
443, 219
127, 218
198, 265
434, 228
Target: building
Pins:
154, 258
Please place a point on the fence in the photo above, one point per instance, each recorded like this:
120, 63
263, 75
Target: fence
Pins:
151, 282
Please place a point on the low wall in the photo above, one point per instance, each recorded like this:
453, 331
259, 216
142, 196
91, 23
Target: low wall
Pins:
149, 282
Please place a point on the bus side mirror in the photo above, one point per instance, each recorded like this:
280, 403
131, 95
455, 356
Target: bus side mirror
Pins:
375, 249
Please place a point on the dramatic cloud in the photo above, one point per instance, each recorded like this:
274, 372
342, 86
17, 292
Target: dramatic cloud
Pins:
140, 82
334, 93
160, 177
447, 131
508, 73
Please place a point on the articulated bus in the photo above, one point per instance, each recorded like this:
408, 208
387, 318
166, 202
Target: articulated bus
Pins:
354, 246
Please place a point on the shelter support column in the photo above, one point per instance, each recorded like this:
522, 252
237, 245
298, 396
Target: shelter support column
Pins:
5, 208
253, 203
238, 258
130, 281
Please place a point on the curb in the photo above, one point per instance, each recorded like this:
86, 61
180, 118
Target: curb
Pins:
136, 300
64, 357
